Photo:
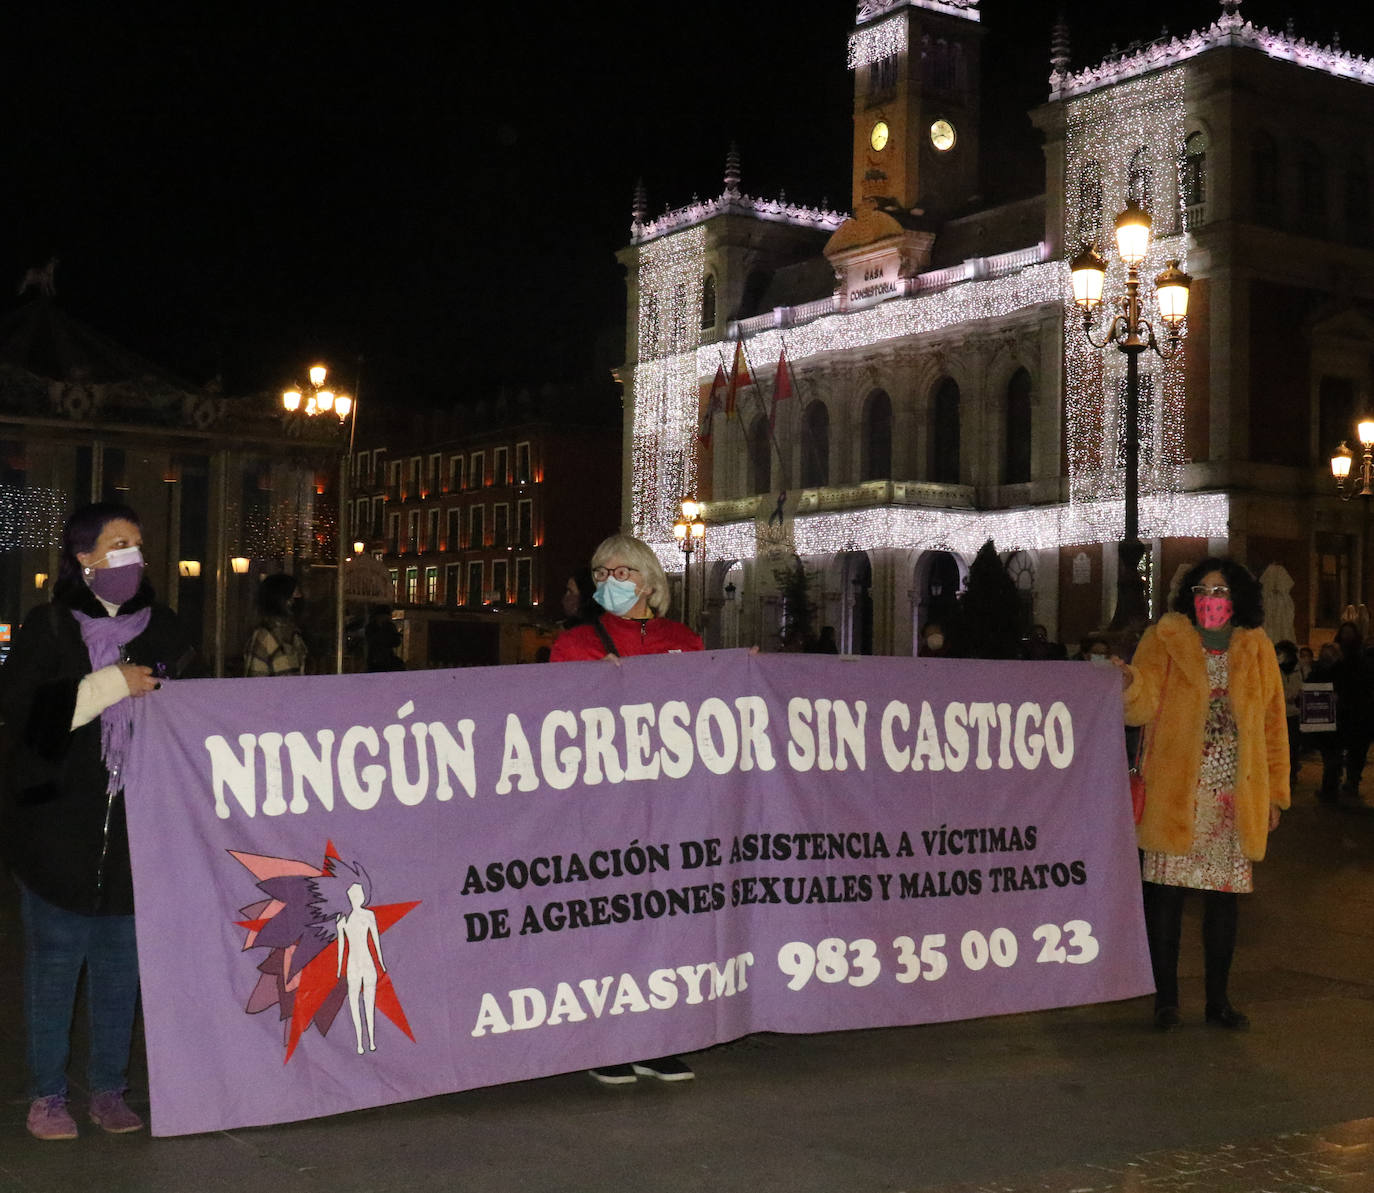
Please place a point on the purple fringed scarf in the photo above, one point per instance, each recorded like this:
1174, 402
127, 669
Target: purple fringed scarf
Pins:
105, 639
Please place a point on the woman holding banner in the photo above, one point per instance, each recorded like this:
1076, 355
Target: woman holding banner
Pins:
632, 591
66, 694
1206, 682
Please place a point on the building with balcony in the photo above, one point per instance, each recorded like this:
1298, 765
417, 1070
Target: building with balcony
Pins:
480, 514
879, 393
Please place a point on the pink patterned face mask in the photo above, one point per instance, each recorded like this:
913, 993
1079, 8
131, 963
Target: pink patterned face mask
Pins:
1212, 612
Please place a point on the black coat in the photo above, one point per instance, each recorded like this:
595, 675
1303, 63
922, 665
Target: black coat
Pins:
55, 834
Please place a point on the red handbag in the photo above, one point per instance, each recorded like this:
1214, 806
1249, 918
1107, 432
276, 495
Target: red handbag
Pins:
1138, 766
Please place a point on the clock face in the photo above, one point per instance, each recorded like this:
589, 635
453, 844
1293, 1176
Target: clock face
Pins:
942, 135
878, 137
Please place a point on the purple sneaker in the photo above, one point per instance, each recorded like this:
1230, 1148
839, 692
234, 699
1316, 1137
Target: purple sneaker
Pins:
111, 1113
48, 1119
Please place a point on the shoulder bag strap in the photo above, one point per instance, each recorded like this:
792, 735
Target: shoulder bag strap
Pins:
605, 638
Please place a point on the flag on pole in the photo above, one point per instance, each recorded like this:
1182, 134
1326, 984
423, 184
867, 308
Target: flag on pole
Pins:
739, 375
714, 402
782, 387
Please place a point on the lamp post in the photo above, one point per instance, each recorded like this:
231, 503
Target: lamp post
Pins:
690, 532
1343, 458
312, 401
1132, 334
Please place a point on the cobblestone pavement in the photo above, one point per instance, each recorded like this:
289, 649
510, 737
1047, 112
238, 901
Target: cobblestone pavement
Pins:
1078, 1100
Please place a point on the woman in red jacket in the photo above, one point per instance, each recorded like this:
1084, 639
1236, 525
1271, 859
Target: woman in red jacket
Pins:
632, 591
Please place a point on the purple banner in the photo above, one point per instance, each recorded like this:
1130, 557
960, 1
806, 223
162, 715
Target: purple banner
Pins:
365, 889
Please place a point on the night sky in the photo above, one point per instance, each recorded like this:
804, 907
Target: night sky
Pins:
235, 190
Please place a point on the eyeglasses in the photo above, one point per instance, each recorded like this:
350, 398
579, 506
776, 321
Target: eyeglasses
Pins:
1215, 591
620, 573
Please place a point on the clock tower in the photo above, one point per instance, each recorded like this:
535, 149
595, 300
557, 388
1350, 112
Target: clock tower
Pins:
916, 78
916, 70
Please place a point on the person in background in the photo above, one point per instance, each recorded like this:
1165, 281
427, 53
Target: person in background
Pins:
1206, 682
1287, 653
66, 694
579, 603
276, 647
933, 642
1305, 660
1094, 649
1345, 667
381, 639
633, 594
826, 643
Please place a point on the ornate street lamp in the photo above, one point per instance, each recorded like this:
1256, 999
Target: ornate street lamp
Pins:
690, 532
314, 401
1132, 334
1343, 458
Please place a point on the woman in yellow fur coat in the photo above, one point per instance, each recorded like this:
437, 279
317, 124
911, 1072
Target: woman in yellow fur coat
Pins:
1206, 681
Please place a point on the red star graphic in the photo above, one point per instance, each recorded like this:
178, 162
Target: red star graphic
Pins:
321, 993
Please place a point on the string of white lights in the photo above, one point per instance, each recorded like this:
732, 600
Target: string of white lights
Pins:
874, 43
1040, 528
1124, 143
671, 274
30, 517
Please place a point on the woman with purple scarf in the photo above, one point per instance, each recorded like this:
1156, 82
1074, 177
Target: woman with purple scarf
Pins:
66, 694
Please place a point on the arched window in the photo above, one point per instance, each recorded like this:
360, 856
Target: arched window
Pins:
1089, 216
815, 446
1016, 467
1140, 180
1195, 169
708, 303
760, 456
1312, 191
944, 439
876, 464
1264, 171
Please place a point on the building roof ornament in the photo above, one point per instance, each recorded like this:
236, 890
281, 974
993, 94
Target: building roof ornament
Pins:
732, 174
1060, 60
1229, 29
871, 10
731, 201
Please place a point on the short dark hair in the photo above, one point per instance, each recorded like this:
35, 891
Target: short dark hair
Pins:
1247, 600
79, 535
274, 594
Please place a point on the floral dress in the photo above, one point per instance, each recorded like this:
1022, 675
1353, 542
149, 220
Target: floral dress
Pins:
1216, 862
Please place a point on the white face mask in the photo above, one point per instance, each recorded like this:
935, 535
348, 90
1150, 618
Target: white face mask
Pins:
122, 557
1099, 660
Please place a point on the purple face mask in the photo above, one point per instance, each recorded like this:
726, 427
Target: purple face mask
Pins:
119, 580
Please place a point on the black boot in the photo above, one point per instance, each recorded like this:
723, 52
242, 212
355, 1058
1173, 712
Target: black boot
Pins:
1163, 926
1219, 914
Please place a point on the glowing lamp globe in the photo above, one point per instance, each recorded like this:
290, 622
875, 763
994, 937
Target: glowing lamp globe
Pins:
1171, 288
1089, 276
1133, 234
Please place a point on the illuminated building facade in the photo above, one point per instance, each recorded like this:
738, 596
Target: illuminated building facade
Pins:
941, 390
479, 516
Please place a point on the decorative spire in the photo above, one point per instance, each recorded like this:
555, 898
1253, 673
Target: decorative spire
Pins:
640, 210
1059, 44
732, 174
1229, 9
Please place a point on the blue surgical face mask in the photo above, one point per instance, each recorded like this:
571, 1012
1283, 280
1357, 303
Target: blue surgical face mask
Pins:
616, 596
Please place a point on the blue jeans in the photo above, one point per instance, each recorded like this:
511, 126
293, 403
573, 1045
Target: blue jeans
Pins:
57, 944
